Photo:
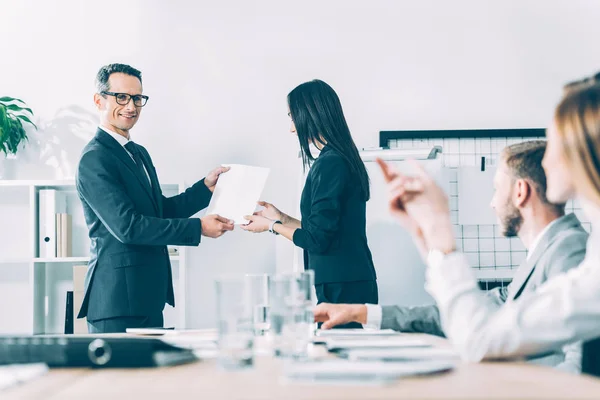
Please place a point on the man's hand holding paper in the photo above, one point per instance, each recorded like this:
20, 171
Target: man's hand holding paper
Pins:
236, 192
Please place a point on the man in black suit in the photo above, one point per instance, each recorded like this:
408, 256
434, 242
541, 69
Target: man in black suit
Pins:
130, 222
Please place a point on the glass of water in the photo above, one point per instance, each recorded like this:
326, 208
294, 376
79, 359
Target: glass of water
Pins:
235, 323
291, 315
257, 299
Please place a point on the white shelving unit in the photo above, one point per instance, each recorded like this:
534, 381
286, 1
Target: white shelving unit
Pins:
37, 285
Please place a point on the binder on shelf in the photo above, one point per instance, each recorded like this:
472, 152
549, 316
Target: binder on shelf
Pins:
63, 235
79, 324
68, 234
69, 313
51, 202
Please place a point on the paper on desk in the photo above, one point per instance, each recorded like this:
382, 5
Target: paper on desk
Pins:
385, 342
211, 334
148, 331
353, 372
192, 340
15, 374
237, 192
356, 332
401, 354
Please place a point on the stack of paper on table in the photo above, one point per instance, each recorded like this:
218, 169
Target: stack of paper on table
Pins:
322, 336
400, 354
383, 342
202, 341
356, 332
360, 372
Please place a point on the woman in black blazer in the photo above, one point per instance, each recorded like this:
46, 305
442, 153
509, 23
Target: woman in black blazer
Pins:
333, 203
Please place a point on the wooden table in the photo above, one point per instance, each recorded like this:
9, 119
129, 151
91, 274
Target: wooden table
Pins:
203, 380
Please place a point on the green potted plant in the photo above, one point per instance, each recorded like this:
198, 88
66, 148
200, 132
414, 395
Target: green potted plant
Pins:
13, 114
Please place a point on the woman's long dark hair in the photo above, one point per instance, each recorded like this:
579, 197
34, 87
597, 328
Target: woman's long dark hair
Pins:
317, 113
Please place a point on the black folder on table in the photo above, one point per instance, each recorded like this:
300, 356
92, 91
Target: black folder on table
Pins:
92, 351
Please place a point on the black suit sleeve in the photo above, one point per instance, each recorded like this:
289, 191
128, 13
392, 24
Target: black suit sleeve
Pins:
99, 186
188, 203
327, 188
185, 204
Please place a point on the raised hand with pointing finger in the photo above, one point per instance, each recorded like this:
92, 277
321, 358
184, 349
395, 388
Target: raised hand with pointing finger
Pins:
421, 206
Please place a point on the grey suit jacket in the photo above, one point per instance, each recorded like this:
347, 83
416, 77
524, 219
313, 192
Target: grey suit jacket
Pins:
561, 248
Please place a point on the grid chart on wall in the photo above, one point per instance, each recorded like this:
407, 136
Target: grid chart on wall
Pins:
492, 256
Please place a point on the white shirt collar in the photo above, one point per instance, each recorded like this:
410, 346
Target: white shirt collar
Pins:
119, 138
591, 211
538, 238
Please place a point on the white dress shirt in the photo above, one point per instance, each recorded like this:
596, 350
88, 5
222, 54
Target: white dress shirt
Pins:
563, 310
374, 316
537, 239
123, 141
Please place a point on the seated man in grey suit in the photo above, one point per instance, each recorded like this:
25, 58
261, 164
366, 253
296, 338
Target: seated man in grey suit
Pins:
130, 222
555, 242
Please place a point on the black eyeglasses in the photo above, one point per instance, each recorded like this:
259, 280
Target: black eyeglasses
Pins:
122, 99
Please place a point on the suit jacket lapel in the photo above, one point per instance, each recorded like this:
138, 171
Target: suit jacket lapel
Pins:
521, 277
526, 269
154, 180
122, 154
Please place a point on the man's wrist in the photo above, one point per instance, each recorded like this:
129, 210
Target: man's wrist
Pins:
211, 188
201, 232
360, 314
374, 316
445, 245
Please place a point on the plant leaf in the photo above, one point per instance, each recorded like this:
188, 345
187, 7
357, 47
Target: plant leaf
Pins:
24, 118
3, 117
14, 107
12, 132
7, 99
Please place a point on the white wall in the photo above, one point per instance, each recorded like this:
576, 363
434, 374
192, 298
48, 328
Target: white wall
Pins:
218, 73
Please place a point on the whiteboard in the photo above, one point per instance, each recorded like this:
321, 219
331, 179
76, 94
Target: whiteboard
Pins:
400, 269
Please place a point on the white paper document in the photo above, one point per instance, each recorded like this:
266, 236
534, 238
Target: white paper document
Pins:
360, 372
475, 189
356, 332
237, 192
385, 342
401, 354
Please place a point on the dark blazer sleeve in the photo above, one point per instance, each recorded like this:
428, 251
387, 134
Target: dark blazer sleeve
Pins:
327, 188
188, 203
98, 184
185, 204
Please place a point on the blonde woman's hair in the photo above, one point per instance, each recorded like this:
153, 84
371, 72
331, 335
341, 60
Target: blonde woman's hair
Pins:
581, 83
577, 119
